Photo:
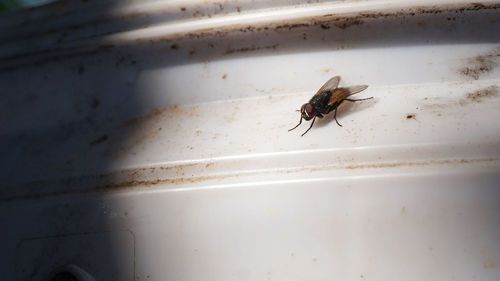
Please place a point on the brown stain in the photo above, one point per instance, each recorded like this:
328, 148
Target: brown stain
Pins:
250, 49
146, 128
343, 22
99, 140
151, 115
224, 76
477, 96
134, 178
478, 65
416, 164
403, 210
175, 181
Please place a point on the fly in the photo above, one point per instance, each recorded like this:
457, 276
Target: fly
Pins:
327, 99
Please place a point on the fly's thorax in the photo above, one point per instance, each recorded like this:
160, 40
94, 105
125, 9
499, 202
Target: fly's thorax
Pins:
320, 101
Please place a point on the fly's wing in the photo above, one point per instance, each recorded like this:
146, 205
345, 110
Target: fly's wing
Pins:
341, 93
330, 85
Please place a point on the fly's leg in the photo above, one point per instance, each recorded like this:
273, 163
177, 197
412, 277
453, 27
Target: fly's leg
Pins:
353, 100
300, 122
312, 123
335, 117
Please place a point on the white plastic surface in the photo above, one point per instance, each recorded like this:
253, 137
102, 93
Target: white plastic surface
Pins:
157, 148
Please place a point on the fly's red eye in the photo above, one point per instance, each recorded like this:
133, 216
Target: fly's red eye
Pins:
309, 110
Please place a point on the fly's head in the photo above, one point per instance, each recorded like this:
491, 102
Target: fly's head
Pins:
307, 111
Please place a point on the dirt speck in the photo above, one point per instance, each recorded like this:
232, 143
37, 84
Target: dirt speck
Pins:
238, 9
224, 76
174, 47
103, 138
410, 116
183, 9
403, 210
479, 95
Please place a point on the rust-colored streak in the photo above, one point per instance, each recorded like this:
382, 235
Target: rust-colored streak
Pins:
136, 178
